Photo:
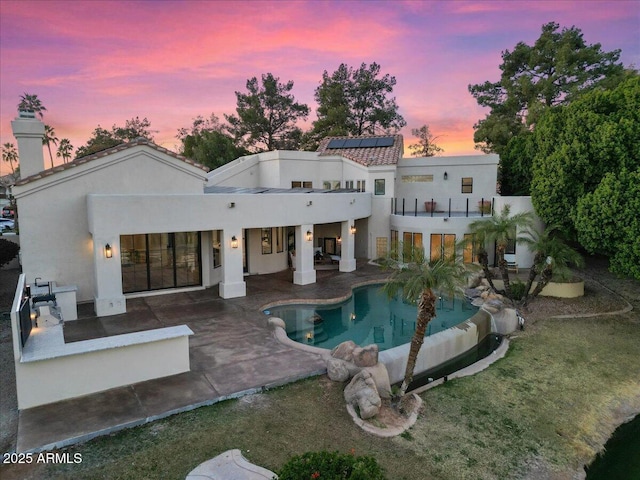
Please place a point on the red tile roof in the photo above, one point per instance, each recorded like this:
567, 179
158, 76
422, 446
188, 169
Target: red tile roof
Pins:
103, 153
368, 157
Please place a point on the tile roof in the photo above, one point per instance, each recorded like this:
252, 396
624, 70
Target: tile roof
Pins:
103, 153
367, 156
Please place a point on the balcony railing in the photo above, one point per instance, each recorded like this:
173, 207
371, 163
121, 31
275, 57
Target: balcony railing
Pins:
442, 207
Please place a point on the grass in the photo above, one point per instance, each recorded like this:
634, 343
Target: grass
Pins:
548, 403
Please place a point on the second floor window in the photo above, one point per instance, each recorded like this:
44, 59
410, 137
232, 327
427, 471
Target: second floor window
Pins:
467, 184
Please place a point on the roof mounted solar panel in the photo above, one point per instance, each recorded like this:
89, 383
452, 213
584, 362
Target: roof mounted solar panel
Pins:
352, 143
384, 142
336, 143
368, 142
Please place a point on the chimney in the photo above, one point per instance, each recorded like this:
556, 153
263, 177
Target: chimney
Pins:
29, 132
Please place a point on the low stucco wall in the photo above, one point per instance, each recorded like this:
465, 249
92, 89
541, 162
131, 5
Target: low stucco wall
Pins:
554, 289
63, 377
49, 370
438, 348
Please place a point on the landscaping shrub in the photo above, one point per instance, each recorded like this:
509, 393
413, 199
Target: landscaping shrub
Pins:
517, 290
8, 251
331, 465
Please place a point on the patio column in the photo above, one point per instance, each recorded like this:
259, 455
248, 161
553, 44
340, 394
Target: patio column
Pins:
109, 299
304, 273
347, 258
232, 284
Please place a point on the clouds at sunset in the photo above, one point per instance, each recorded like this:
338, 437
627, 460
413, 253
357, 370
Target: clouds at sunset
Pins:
103, 62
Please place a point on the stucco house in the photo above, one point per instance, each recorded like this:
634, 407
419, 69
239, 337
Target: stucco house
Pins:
138, 218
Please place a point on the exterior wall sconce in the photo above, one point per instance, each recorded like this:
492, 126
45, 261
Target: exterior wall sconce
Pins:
339, 239
108, 251
231, 204
309, 235
445, 175
309, 203
234, 242
353, 229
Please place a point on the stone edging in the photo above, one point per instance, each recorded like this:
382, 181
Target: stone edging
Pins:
281, 336
386, 432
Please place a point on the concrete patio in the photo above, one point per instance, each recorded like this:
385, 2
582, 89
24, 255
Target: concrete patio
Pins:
232, 353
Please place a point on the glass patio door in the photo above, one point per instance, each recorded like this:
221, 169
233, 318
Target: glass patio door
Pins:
160, 260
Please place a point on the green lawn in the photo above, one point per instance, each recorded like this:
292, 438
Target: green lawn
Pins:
547, 406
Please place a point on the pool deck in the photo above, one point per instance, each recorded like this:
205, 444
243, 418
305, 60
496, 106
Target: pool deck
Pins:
233, 352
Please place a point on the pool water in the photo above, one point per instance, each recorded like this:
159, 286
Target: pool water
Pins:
367, 317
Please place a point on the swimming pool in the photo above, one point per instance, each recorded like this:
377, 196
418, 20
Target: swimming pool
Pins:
367, 317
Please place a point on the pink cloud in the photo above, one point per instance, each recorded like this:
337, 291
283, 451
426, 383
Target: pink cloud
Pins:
102, 62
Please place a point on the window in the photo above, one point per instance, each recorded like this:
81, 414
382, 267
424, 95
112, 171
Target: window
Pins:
467, 184
417, 178
348, 184
394, 237
160, 260
217, 254
411, 243
301, 184
331, 184
442, 246
469, 252
381, 246
379, 186
266, 241
360, 185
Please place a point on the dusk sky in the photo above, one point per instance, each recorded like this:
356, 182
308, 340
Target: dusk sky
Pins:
102, 62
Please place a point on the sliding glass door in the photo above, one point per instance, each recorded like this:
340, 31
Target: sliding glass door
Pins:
160, 260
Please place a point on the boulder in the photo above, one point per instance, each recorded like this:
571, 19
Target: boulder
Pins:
362, 392
381, 378
366, 356
344, 351
337, 370
477, 302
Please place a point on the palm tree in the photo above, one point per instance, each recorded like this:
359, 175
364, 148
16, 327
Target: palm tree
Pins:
503, 229
552, 257
64, 150
31, 103
9, 154
48, 139
417, 278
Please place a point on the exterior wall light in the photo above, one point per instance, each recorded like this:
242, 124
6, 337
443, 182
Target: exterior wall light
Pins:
309, 235
339, 239
353, 229
234, 242
108, 251
445, 175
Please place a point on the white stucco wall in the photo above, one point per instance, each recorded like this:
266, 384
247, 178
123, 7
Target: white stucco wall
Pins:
56, 241
482, 168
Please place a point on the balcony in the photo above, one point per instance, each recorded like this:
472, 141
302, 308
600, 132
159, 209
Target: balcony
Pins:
442, 207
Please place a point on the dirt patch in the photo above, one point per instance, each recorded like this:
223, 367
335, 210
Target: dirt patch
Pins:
8, 400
